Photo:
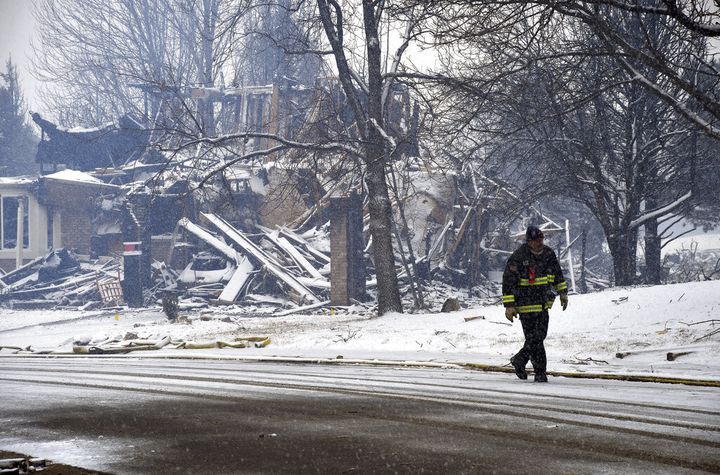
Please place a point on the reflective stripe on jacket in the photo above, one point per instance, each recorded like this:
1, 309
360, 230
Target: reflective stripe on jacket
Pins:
529, 280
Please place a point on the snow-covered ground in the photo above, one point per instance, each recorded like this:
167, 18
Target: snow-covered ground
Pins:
649, 322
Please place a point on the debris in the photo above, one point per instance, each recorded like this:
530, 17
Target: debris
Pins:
61, 279
56, 265
302, 309
239, 342
205, 236
479, 317
619, 300
237, 282
585, 361
714, 320
714, 332
677, 351
206, 268
110, 289
673, 356
21, 272
120, 346
291, 251
501, 323
270, 264
22, 465
170, 304
451, 305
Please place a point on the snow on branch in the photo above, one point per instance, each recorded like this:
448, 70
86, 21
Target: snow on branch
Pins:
660, 211
668, 98
671, 9
384, 134
286, 143
396, 61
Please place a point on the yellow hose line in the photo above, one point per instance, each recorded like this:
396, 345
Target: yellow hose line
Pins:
618, 377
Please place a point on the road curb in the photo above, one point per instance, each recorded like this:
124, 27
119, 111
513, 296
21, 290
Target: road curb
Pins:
378, 362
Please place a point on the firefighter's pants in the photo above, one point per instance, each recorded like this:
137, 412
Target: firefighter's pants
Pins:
535, 328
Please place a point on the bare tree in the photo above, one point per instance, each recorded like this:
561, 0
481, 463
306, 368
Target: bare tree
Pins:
93, 54
541, 99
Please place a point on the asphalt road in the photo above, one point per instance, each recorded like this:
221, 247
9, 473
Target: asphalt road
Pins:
136, 416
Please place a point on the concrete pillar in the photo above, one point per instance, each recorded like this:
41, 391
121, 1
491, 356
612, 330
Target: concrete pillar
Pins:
20, 232
132, 270
57, 236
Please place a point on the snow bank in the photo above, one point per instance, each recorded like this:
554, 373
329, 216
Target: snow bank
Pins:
642, 323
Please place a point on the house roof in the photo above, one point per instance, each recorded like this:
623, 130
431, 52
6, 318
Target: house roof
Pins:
76, 176
111, 145
16, 180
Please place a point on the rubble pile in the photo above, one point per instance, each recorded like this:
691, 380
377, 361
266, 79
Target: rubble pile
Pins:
231, 267
60, 279
237, 267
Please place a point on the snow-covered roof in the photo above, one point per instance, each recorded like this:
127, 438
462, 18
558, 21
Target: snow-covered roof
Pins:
86, 130
75, 176
16, 180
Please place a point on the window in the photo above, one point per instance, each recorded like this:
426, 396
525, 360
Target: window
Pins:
9, 222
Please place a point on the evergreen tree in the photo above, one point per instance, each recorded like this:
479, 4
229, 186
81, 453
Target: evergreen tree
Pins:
17, 140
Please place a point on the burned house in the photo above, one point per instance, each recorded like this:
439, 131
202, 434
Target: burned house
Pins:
49, 212
131, 193
87, 149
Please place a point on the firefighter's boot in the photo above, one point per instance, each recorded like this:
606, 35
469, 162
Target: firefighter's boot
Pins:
519, 368
541, 377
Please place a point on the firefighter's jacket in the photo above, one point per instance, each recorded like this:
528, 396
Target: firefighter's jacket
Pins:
530, 281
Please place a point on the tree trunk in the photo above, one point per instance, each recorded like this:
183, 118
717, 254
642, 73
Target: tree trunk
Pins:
381, 232
583, 273
379, 205
653, 260
623, 248
207, 112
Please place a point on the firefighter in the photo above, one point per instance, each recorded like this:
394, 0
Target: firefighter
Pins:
531, 280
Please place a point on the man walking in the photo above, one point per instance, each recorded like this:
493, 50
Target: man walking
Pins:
531, 274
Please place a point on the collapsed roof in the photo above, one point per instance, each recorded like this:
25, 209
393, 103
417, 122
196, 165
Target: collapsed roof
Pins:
86, 149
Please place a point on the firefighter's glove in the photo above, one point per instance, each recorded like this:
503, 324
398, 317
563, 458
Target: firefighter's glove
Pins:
510, 313
563, 301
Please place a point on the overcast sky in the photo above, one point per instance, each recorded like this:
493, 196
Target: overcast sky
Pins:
16, 29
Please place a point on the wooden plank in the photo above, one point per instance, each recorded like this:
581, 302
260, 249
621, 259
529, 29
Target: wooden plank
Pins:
4, 282
290, 250
322, 283
319, 255
266, 260
301, 309
237, 281
204, 235
20, 283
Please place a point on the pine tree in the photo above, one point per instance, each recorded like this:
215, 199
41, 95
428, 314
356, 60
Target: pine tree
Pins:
17, 140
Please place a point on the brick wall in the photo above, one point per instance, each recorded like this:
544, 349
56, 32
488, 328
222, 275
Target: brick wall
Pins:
338, 252
75, 205
347, 264
76, 228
